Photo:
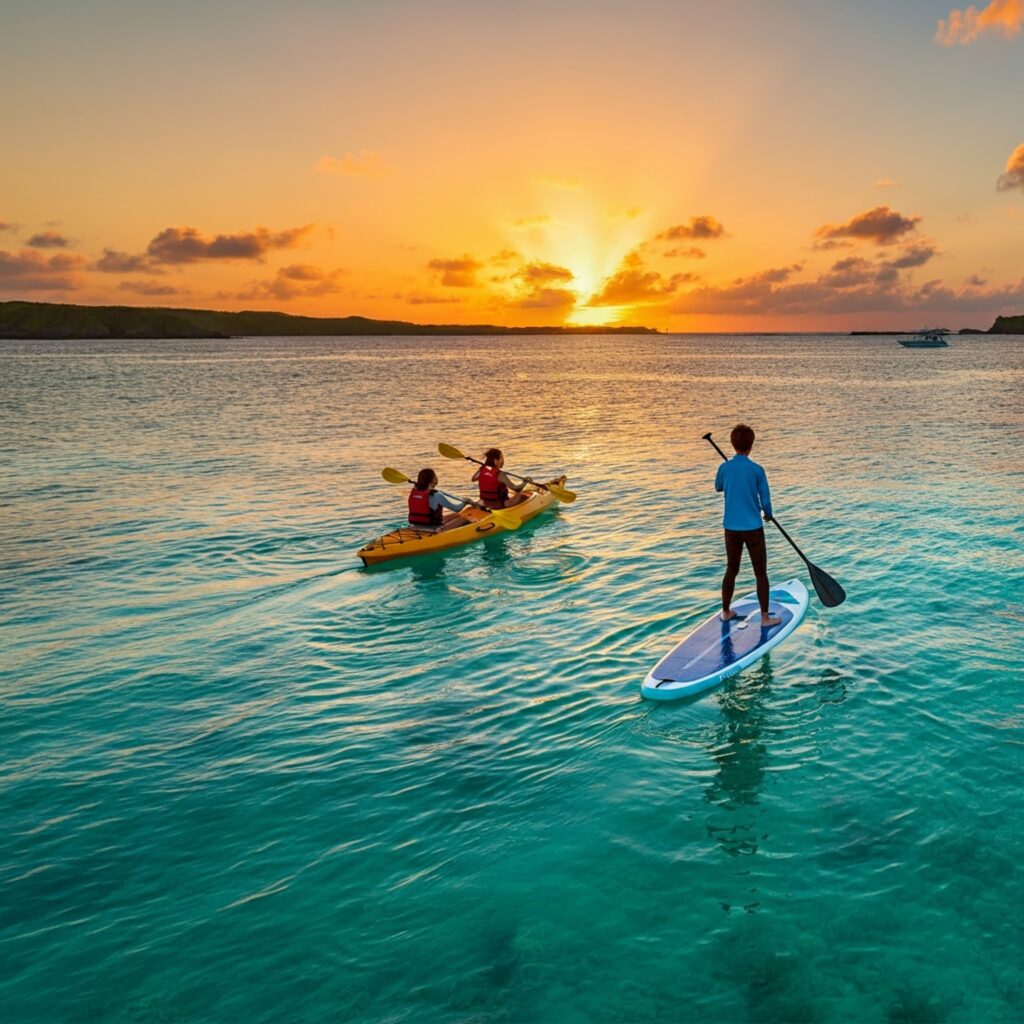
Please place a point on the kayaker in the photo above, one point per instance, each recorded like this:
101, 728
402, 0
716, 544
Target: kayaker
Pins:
427, 505
747, 498
496, 485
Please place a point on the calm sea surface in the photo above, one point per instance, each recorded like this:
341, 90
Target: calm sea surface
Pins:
243, 779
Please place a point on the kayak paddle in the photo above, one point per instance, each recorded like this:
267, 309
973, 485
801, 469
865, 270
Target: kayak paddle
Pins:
829, 592
505, 519
561, 493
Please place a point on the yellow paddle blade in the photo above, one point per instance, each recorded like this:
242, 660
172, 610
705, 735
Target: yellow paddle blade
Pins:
393, 476
449, 452
562, 493
505, 519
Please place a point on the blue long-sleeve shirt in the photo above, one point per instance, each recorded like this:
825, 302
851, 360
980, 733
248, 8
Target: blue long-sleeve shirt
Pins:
440, 500
746, 493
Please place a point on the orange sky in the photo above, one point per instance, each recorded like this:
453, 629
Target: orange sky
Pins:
691, 167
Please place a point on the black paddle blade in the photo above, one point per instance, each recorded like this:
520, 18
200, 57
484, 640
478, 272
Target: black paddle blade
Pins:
829, 592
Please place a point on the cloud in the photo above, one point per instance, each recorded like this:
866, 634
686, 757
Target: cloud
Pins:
547, 298
29, 271
506, 256
886, 183
881, 226
1013, 176
689, 253
634, 284
849, 273
543, 286
6, 225
418, 299
1002, 16
147, 288
703, 227
367, 163
298, 280
538, 274
187, 245
48, 240
913, 256
852, 285
832, 243
457, 273
115, 262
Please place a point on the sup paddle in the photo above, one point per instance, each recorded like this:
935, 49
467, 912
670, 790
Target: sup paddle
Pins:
506, 520
561, 493
829, 592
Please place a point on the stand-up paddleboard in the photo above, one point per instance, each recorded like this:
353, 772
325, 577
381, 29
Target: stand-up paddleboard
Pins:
716, 650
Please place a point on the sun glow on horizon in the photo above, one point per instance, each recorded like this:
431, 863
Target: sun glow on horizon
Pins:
597, 316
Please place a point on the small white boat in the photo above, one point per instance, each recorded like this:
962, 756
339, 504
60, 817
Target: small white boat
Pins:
933, 337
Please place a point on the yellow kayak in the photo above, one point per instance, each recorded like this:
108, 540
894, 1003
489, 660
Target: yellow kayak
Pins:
412, 540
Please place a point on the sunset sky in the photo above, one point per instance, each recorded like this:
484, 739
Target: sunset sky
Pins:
689, 166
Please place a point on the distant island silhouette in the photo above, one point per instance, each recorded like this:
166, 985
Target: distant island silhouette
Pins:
60, 321
41, 320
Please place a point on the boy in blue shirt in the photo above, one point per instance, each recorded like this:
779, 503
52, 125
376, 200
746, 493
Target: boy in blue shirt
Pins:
746, 497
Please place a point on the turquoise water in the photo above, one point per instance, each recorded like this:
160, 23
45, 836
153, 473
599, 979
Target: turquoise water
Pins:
244, 779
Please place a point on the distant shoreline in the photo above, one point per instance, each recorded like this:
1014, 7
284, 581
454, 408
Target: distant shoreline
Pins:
51, 321
57, 321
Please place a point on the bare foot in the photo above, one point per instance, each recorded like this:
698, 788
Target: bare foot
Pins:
726, 616
769, 620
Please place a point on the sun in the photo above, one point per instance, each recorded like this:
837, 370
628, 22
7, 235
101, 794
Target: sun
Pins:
596, 316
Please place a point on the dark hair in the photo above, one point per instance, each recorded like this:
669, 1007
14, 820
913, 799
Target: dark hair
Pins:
425, 479
491, 456
742, 438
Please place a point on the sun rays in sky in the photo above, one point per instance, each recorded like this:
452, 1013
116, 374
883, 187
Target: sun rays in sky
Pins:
675, 165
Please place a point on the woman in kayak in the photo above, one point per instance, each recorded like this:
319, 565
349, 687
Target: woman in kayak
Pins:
495, 485
427, 505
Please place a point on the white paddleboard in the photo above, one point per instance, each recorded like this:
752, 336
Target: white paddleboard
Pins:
716, 650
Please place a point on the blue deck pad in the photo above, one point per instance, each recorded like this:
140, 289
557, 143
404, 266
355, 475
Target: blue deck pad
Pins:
716, 645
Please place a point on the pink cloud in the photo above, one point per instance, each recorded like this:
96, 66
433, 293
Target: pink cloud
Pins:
634, 284
704, 227
298, 280
457, 273
882, 226
964, 26
1013, 176
187, 245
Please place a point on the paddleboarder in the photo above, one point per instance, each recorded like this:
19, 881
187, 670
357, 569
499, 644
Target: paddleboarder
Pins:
747, 498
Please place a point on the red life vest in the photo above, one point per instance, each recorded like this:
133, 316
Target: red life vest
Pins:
493, 493
420, 512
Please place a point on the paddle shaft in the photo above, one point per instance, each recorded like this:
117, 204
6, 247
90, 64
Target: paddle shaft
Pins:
725, 458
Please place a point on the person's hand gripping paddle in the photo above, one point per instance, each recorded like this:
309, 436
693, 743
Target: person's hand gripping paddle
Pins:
829, 592
505, 519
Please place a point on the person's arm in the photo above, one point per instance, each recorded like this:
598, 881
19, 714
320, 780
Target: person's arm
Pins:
764, 495
476, 475
719, 482
439, 500
503, 477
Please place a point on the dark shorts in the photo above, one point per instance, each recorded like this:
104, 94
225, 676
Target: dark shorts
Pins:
753, 540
